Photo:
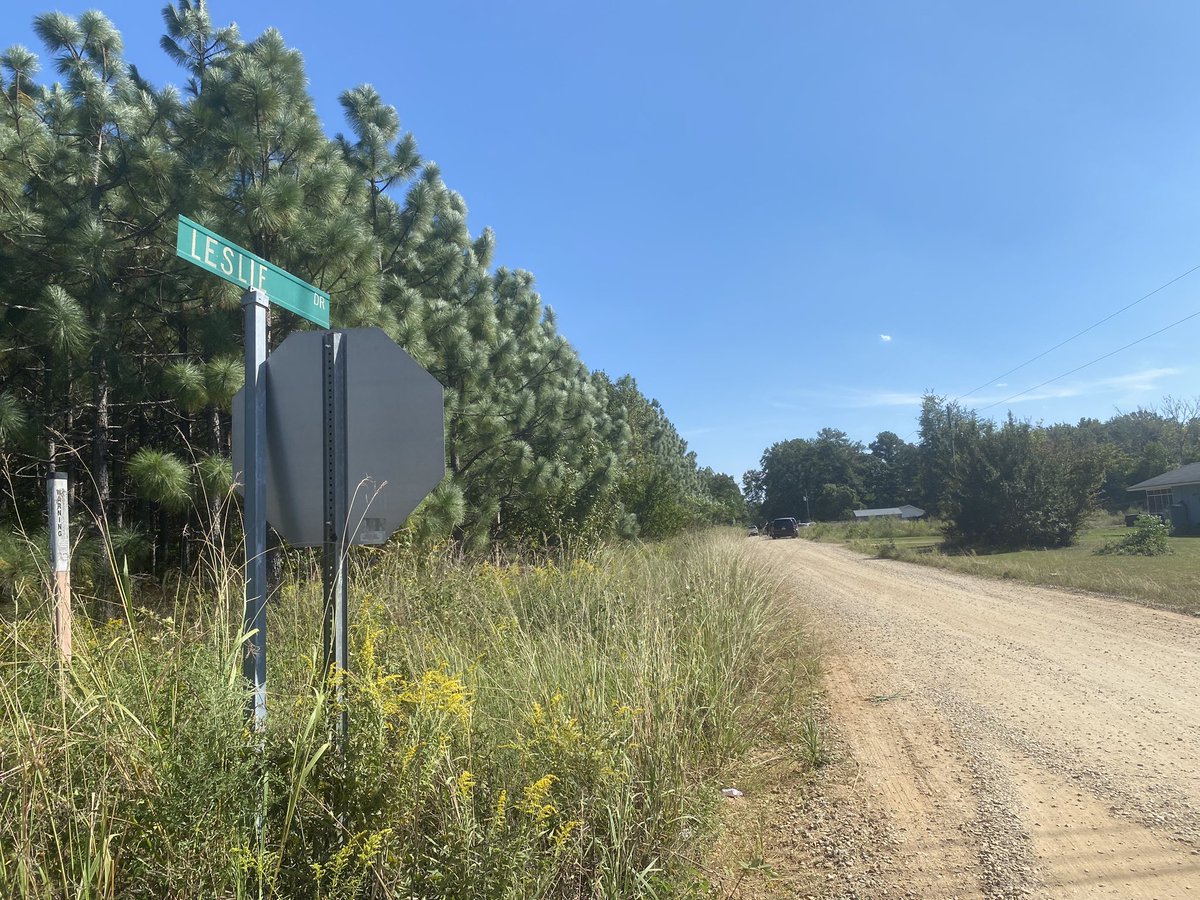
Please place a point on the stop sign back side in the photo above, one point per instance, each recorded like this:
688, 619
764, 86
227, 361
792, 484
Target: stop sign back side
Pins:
395, 437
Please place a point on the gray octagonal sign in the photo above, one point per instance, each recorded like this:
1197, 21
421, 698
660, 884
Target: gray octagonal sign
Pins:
395, 437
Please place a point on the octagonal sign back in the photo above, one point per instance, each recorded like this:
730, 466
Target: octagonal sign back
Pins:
395, 437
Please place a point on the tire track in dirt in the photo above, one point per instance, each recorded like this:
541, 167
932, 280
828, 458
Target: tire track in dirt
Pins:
1019, 741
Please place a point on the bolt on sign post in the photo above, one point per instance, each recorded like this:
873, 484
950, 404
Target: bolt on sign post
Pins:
60, 562
335, 622
264, 283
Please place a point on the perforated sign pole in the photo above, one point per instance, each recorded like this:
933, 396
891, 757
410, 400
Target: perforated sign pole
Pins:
337, 531
254, 660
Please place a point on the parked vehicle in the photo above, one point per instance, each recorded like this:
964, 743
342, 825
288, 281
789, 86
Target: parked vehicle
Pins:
783, 528
753, 531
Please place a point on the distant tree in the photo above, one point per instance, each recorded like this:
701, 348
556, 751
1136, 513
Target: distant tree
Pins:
837, 501
1014, 487
723, 500
1182, 426
754, 492
1132, 431
947, 430
787, 468
799, 468
890, 471
1154, 459
658, 484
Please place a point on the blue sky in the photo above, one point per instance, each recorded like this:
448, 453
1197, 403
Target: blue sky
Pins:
785, 216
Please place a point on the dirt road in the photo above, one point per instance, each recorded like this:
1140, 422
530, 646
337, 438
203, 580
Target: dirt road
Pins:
1010, 741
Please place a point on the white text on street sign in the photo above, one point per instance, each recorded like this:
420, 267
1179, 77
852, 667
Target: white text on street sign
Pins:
225, 259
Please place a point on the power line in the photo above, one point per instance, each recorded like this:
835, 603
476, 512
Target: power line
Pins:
1094, 361
1034, 359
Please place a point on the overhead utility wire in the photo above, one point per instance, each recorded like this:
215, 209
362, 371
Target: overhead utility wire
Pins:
1092, 363
1161, 287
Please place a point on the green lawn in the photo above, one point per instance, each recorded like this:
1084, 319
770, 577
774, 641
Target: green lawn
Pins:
1167, 582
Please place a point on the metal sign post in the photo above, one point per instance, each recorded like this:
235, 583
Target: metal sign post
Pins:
60, 562
265, 282
254, 454
335, 624
354, 440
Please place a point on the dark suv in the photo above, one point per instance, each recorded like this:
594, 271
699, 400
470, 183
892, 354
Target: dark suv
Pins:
783, 528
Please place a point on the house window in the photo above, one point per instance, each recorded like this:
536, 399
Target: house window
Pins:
1157, 502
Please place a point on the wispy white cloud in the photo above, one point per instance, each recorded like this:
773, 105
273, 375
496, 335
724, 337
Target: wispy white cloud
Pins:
851, 397
1139, 382
1143, 381
884, 398
885, 338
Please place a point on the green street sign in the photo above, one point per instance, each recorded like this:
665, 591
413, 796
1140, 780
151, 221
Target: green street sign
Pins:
210, 251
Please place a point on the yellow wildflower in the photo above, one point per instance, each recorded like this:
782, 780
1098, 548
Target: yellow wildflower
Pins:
564, 832
466, 781
535, 804
501, 807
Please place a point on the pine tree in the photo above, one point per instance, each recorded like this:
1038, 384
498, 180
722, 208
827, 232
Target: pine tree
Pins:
119, 360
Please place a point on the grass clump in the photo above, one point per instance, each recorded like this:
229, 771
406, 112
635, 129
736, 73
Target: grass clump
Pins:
516, 731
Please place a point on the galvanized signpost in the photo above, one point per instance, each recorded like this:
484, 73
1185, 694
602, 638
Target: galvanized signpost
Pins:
337, 436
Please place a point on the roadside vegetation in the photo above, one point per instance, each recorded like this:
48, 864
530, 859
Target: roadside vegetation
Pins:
539, 730
1162, 579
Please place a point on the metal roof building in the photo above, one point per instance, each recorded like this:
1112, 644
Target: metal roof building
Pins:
894, 512
1189, 474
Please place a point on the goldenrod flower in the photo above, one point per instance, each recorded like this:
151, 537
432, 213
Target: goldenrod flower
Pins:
466, 781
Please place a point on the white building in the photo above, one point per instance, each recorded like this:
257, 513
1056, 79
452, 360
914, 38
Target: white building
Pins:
892, 512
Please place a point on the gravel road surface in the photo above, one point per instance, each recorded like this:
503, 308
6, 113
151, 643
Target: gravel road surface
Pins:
1009, 741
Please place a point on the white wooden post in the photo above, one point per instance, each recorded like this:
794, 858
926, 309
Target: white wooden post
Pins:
60, 562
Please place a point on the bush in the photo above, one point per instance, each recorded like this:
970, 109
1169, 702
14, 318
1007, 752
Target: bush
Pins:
1149, 538
1015, 488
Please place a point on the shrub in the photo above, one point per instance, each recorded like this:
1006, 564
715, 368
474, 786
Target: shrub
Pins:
1148, 538
1015, 487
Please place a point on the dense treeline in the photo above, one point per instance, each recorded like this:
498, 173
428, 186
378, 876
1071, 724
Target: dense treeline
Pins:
1011, 484
118, 361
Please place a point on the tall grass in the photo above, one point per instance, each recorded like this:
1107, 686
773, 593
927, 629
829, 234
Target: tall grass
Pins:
872, 529
516, 731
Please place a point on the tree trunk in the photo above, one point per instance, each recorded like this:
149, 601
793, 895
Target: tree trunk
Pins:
216, 445
50, 403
